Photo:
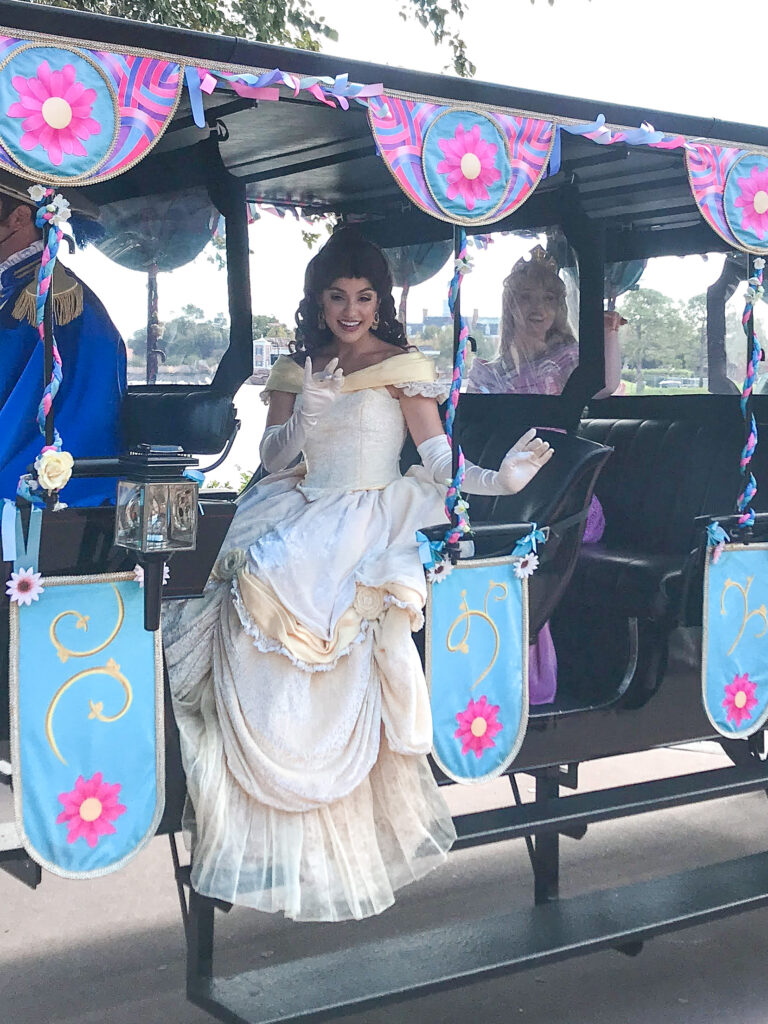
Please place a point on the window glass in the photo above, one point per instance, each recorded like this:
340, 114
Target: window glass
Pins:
521, 305
683, 333
158, 264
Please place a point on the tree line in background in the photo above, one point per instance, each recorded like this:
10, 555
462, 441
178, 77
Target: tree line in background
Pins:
663, 337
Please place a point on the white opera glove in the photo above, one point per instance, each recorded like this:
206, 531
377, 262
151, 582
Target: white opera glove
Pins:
520, 465
281, 444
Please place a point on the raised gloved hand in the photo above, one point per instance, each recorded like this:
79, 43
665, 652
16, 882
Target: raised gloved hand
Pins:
521, 464
281, 444
523, 461
320, 390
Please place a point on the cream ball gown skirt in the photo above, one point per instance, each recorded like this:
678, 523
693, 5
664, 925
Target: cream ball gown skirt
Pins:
298, 691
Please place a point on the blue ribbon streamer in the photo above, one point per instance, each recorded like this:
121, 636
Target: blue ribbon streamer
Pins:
716, 535
529, 543
28, 553
556, 154
9, 531
430, 551
192, 78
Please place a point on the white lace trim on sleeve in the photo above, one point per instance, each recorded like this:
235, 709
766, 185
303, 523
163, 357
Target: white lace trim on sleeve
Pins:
428, 388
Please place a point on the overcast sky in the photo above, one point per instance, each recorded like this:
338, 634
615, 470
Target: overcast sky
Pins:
689, 56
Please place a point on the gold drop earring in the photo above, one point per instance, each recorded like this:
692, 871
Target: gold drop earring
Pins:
321, 320
375, 323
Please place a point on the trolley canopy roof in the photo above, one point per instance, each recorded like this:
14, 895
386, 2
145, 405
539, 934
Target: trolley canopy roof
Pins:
300, 152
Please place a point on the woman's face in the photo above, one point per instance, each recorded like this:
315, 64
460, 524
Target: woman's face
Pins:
349, 306
537, 307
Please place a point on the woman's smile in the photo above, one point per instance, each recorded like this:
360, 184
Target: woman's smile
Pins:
349, 307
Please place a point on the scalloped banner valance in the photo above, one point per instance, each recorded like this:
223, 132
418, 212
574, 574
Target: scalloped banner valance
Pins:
70, 115
460, 165
730, 187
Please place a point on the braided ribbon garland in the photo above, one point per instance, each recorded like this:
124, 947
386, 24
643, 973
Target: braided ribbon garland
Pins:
52, 212
455, 506
50, 215
744, 501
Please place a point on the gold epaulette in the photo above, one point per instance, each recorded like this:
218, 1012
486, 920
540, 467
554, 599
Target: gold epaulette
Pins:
67, 299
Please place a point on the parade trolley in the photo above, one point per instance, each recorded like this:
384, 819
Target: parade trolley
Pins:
659, 627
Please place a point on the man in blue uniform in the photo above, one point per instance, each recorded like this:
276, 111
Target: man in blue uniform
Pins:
87, 406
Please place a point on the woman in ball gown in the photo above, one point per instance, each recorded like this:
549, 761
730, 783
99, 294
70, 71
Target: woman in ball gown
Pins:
537, 354
538, 351
299, 694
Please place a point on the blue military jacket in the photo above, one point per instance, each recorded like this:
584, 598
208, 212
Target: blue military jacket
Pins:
87, 406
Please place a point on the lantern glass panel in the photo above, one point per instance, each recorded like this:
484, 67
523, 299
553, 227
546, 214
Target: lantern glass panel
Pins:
156, 517
183, 515
129, 517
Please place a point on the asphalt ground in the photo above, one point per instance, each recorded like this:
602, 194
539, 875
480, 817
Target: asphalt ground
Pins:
111, 951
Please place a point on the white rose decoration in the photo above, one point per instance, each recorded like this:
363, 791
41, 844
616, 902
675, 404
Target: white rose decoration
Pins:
229, 565
369, 602
54, 469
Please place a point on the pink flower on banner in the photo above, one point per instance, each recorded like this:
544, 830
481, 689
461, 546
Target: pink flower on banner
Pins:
478, 726
740, 699
468, 165
57, 112
90, 809
754, 201
25, 586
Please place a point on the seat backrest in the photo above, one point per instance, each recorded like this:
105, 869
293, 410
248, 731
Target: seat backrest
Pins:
196, 417
663, 474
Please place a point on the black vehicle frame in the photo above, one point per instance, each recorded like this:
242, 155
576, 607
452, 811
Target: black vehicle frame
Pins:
626, 615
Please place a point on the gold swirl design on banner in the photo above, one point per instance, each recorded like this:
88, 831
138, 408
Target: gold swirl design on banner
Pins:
746, 613
111, 669
465, 619
64, 652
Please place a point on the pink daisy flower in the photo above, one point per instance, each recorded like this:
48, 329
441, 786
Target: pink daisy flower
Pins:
477, 726
469, 165
25, 586
57, 112
754, 201
740, 699
90, 808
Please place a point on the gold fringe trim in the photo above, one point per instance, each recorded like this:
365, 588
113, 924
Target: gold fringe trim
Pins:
67, 300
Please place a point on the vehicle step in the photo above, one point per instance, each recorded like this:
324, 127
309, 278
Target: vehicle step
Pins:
601, 805
396, 968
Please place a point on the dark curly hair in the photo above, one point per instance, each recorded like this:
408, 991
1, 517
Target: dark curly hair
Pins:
346, 254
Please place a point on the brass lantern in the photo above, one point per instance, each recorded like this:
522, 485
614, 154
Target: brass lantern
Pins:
156, 514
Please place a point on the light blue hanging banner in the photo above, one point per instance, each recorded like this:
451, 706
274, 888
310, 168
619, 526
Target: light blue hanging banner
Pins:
735, 638
477, 667
87, 743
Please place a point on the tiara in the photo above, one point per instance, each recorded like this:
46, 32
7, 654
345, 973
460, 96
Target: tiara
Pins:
539, 257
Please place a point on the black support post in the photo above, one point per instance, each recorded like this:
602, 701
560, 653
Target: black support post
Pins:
546, 863
199, 941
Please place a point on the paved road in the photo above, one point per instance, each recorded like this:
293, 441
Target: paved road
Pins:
111, 951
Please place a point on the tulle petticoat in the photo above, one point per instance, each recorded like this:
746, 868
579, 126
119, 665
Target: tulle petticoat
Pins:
343, 861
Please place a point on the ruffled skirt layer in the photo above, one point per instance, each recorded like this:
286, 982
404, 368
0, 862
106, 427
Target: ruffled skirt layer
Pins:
302, 705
